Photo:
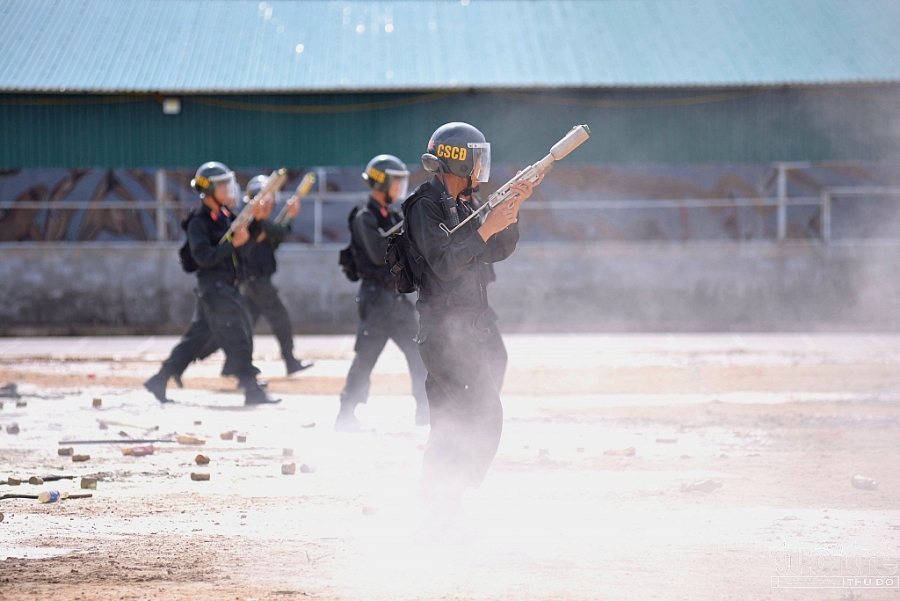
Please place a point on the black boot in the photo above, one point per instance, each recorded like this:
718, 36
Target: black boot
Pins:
254, 395
346, 420
259, 383
294, 365
157, 386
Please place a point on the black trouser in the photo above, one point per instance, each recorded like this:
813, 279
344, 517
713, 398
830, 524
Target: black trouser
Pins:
466, 360
262, 299
220, 320
384, 314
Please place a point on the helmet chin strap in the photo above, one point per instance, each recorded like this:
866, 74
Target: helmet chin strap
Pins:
215, 200
469, 187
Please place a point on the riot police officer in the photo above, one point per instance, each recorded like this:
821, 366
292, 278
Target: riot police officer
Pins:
457, 338
259, 267
220, 314
383, 312
256, 285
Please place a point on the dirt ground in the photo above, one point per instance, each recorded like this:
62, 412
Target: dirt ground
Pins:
631, 467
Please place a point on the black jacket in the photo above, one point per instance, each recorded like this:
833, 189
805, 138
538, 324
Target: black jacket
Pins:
456, 267
259, 257
371, 246
216, 262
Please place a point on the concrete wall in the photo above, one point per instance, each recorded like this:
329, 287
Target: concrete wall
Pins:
140, 288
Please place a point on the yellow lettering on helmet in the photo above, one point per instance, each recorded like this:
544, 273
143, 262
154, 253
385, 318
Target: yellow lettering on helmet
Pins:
457, 153
202, 181
376, 175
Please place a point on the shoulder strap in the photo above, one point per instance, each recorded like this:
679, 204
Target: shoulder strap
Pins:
353, 213
191, 214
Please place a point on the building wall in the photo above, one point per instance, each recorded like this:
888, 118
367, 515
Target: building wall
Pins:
662, 126
139, 288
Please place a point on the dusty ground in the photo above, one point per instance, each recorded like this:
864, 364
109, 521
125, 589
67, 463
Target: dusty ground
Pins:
778, 424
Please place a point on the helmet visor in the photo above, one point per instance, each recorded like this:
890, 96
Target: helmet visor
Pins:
481, 161
227, 179
399, 183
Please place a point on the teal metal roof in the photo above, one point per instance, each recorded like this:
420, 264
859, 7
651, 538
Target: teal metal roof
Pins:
219, 46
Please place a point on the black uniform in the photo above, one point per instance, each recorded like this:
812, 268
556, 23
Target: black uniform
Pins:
258, 266
220, 315
458, 339
383, 312
262, 296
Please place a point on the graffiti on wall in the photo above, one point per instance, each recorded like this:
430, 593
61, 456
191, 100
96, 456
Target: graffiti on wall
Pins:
98, 205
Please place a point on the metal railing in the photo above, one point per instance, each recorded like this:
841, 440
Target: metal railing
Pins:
320, 197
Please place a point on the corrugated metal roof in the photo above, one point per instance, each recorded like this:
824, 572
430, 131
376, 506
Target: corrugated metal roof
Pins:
211, 46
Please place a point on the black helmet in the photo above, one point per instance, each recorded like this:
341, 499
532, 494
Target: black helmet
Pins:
209, 175
460, 149
381, 172
255, 185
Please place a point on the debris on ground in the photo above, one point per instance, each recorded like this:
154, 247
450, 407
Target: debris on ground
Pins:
10, 391
139, 451
52, 496
287, 452
629, 452
700, 486
227, 435
35, 480
12, 429
307, 469
184, 439
198, 477
289, 469
80, 458
241, 437
97, 402
201, 460
89, 483
65, 451
48, 496
863, 482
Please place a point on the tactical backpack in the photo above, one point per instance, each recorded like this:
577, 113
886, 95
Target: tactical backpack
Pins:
406, 262
184, 253
347, 259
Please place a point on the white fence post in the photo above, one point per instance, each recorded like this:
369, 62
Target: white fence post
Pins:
782, 202
317, 207
161, 233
